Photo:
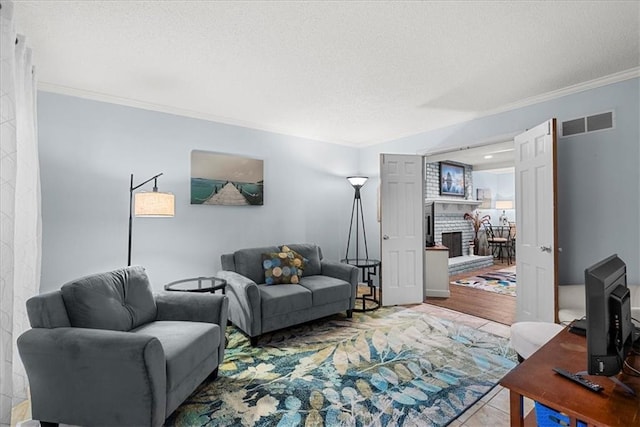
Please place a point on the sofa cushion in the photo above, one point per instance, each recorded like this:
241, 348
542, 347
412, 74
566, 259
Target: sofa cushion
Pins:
282, 267
249, 262
326, 290
119, 300
312, 254
280, 299
185, 345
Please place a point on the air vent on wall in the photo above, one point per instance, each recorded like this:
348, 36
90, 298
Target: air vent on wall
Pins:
588, 124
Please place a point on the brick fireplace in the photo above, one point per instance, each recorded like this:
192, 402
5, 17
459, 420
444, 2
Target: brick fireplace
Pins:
452, 230
449, 222
449, 211
448, 214
454, 242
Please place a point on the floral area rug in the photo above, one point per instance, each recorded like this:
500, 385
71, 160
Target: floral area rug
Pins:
500, 281
390, 367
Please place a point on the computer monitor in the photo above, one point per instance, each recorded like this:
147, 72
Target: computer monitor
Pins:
609, 325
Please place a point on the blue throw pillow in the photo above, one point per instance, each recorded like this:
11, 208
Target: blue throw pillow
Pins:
284, 267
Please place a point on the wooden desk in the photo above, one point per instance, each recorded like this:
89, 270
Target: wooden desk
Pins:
535, 379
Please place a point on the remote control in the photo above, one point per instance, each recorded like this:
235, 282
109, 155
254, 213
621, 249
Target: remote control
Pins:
579, 379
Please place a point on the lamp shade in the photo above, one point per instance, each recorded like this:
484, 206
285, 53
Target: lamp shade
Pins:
154, 204
504, 204
357, 181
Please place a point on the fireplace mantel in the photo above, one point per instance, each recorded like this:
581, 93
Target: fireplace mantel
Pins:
454, 205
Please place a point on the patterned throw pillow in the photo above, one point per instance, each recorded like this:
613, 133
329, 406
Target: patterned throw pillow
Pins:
302, 261
282, 267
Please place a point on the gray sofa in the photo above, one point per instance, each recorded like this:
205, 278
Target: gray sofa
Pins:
104, 350
325, 288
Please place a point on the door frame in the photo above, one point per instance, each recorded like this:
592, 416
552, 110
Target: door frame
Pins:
497, 139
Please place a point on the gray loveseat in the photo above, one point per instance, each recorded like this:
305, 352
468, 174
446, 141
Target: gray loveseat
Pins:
325, 288
105, 351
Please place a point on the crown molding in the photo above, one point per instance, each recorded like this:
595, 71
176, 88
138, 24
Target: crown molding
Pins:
569, 90
183, 112
102, 97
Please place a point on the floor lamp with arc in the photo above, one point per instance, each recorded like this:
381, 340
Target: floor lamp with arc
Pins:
150, 204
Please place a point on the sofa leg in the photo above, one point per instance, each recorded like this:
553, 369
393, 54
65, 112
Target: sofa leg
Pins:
349, 314
254, 341
213, 375
48, 424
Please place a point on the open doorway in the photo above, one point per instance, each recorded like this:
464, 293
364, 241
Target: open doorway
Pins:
483, 276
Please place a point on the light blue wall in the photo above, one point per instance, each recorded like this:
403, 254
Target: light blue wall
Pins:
598, 173
88, 150
502, 186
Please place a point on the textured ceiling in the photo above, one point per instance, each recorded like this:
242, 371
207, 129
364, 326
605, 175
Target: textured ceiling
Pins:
344, 72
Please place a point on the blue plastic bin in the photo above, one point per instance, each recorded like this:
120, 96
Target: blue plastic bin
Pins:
547, 417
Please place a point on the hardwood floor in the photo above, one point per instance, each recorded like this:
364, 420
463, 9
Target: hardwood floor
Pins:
487, 305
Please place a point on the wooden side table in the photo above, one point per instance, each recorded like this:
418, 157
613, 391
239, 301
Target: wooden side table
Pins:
535, 379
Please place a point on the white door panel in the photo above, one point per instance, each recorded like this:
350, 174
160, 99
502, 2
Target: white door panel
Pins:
535, 167
401, 228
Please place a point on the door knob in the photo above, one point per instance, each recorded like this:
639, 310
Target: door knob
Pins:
545, 248
385, 237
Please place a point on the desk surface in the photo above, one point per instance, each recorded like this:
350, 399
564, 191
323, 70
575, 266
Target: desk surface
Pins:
535, 379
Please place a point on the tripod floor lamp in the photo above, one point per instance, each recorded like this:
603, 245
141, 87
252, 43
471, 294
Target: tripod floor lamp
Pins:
148, 204
356, 212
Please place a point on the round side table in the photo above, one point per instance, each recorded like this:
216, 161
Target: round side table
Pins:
369, 268
197, 284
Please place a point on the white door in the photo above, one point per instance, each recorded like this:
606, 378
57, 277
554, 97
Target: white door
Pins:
402, 228
535, 170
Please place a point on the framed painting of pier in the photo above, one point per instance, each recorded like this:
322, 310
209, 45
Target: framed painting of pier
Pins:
226, 179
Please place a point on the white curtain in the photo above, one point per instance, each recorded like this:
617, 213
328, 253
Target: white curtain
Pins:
21, 224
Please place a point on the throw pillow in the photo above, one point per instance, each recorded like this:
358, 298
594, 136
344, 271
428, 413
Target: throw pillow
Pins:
312, 254
299, 260
282, 268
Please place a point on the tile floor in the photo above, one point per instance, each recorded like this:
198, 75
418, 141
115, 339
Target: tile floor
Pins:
491, 410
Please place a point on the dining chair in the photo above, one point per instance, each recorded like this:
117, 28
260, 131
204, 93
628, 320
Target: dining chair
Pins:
497, 245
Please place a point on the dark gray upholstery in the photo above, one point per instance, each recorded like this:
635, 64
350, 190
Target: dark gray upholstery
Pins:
280, 299
119, 300
312, 253
245, 262
48, 311
98, 374
326, 288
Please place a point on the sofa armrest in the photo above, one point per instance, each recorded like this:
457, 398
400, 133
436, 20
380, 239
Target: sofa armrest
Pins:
195, 307
192, 307
346, 272
73, 371
245, 309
